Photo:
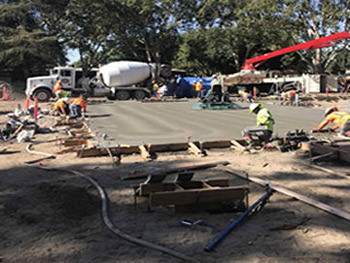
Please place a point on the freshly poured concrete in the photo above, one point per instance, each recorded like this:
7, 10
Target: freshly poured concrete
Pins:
133, 122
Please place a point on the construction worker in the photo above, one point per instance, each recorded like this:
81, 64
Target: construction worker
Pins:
155, 88
263, 118
245, 96
62, 106
340, 119
78, 106
199, 87
288, 96
194, 84
57, 90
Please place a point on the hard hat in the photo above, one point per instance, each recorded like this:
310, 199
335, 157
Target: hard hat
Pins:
330, 110
66, 100
254, 106
194, 81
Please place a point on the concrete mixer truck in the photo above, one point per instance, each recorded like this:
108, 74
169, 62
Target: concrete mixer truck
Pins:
120, 80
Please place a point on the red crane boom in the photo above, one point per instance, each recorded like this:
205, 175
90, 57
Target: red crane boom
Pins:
313, 44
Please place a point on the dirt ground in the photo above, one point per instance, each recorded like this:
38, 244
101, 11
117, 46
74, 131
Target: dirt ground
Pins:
54, 216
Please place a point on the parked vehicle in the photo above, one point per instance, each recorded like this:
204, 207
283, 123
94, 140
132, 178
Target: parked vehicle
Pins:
273, 81
120, 80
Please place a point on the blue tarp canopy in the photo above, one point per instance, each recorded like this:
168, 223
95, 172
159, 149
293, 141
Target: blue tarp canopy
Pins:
184, 86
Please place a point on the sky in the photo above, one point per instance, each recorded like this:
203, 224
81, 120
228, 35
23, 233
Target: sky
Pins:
73, 56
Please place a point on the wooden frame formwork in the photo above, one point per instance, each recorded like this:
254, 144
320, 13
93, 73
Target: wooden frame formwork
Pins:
146, 151
340, 149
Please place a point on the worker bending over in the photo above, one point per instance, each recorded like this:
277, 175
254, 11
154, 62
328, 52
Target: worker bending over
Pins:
245, 96
78, 106
340, 119
62, 107
289, 97
263, 118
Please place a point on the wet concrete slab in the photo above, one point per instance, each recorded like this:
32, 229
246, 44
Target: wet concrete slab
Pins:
133, 122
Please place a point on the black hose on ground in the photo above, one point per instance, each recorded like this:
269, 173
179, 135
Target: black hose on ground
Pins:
105, 215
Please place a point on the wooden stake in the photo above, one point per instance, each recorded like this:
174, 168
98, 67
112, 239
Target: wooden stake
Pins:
144, 153
194, 149
238, 146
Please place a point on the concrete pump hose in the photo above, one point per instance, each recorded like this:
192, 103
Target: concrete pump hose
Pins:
105, 215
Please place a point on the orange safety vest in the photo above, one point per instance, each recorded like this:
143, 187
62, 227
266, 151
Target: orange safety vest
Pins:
334, 117
57, 86
79, 101
291, 94
199, 86
59, 105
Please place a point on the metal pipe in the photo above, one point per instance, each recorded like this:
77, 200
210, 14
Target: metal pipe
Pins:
219, 237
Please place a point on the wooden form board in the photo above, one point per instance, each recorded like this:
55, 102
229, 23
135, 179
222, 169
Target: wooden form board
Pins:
197, 196
341, 149
195, 147
75, 142
303, 198
147, 188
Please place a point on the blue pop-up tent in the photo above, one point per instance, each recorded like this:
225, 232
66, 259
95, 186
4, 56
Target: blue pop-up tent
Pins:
184, 86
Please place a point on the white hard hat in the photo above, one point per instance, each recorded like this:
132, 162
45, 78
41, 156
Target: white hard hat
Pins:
330, 110
254, 106
66, 100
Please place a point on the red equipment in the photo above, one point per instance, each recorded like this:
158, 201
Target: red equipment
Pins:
252, 63
36, 108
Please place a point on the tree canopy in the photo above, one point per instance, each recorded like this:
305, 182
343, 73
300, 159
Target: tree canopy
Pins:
202, 37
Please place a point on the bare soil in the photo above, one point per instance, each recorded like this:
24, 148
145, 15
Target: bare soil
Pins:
53, 216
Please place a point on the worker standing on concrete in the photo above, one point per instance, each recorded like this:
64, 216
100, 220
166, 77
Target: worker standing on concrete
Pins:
199, 87
194, 84
155, 88
263, 117
78, 107
62, 107
289, 97
339, 119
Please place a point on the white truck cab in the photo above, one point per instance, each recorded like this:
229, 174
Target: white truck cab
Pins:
42, 86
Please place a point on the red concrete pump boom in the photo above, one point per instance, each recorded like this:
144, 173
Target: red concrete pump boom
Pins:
313, 44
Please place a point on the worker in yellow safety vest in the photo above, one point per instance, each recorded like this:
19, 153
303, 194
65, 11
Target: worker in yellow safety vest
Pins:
339, 119
263, 117
199, 87
155, 88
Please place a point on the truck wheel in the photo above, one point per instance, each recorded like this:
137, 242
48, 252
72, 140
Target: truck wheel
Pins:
43, 95
139, 95
111, 97
122, 95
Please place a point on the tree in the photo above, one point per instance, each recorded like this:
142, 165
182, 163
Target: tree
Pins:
25, 46
315, 19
